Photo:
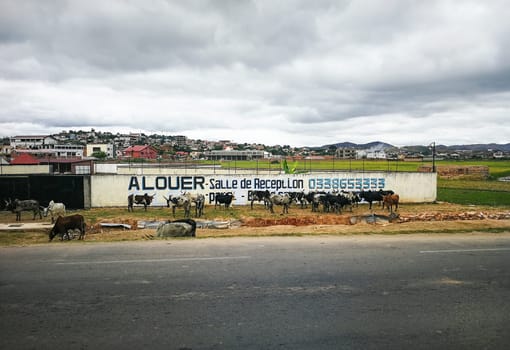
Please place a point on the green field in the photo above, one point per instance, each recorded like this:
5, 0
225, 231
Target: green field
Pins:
488, 192
497, 168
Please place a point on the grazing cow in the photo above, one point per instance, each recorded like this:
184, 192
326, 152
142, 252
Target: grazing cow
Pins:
258, 196
25, 205
139, 199
376, 196
55, 210
316, 198
179, 201
332, 202
280, 199
310, 198
66, 223
391, 200
198, 200
223, 198
177, 228
352, 196
299, 197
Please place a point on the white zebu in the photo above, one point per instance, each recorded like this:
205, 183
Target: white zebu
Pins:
280, 199
55, 210
198, 200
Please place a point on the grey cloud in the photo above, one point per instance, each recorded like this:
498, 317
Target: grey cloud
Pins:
296, 66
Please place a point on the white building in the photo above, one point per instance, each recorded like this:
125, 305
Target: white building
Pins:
32, 141
237, 155
107, 148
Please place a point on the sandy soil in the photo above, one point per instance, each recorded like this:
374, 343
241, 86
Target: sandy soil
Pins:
413, 218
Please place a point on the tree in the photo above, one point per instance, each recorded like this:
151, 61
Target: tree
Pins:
99, 155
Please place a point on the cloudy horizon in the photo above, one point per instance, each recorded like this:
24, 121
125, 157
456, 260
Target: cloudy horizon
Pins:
293, 73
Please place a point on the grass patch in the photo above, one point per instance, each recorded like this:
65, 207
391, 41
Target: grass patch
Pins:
22, 238
466, 196
497, 168
488, 185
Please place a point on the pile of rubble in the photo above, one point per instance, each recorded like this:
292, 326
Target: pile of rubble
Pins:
473, 172
373, 218
470, 215
297, 221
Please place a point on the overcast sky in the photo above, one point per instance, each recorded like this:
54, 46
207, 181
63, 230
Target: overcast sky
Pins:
299, 73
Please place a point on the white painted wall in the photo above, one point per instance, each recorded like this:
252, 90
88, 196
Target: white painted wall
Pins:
24, 169
112, 190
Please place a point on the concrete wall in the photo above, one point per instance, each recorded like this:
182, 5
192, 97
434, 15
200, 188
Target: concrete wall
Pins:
112, 190
24, 169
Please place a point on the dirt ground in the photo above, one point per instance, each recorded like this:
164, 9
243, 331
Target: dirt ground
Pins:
242, 221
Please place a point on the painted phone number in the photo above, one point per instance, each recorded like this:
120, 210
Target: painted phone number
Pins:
326, 183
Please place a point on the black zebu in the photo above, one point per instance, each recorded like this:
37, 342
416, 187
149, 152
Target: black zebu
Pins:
376, 196
139, 199
66, 223
334, 202
223, 198
259, 196
25, 205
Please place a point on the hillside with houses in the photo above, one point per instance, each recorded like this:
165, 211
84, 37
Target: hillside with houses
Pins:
68, 149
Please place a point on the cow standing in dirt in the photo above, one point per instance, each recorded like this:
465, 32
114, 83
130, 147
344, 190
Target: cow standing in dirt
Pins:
64, 224
144, 200
18, 206
280, 199
391, 200
55, 210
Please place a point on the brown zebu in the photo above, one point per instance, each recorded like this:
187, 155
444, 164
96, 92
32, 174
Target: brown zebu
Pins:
66, 223
391, 200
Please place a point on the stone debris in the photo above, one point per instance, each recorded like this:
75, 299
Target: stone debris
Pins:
470, 215
374, 218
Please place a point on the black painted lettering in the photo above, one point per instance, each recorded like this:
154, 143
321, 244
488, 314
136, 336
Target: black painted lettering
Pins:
186, 183
175, 184
133, 184
198, 181
161, 183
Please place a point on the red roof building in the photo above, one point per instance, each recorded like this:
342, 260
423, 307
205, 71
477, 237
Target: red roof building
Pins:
145, 152
25, 159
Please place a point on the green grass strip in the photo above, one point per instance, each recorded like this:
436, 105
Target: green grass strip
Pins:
473, 197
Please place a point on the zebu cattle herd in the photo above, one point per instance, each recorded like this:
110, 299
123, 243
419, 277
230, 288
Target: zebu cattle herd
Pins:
328, 202
65, 226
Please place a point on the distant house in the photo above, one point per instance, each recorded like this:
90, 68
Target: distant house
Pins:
345, 153
107, 148
140, 152
32, 141
25, 159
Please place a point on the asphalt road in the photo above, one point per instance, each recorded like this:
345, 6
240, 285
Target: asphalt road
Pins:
357, 292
